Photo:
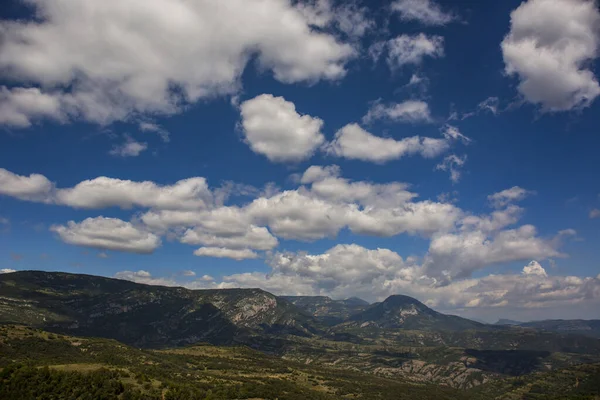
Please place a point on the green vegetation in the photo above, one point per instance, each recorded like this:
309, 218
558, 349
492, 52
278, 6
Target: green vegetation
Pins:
36, 363
61, 333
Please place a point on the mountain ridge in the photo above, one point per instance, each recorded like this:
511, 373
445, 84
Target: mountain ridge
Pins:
146, 315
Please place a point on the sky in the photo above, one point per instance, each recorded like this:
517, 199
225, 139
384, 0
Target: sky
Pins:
446, 150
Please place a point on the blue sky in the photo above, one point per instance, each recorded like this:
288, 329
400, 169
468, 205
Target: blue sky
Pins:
336, 148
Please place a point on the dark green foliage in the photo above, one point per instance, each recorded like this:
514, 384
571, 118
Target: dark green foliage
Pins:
19, 382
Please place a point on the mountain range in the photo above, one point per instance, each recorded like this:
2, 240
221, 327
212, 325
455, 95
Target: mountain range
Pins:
398, 338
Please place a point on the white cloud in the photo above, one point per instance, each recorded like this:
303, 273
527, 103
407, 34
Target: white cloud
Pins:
253, 237
159, 130
188, 273
102, 192
412, 49
348, 18
19, 106
456, 255
7, 270
298, 215
595, 213
497, 220
363, 193
321, 207
102, 255
144, 277
316, 173
273, 128
549, 47
108, 234
129, 148
425, 11
534, 268
452, 164
124, 66
220, 252
354, 142
508, 196
34, 187
412, 111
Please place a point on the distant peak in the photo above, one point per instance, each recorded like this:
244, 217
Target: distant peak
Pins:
399, 299
356, 301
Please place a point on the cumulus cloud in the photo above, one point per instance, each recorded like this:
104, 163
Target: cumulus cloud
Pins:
508, 196
273, 128
20, 106
534, 268
129, 148
108, 234
316, 173
102, 192
493, 222
412, 49
457, 255
324, 204
595, 213
412, 111
452, 164
354, 142
426, 12
34, 187
550, 45
124, 66
249, 237
220, 252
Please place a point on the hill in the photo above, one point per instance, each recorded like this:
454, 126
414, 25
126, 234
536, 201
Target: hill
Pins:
144, 315
327, 310
403, 312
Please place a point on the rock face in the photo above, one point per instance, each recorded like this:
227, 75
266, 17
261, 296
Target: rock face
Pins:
143, 315
326, 310
408, 313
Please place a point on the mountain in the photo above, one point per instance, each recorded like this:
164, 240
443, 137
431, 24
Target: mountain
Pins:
399, 338
327, 310
503, 321
144, 315
578, 326
408, 313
